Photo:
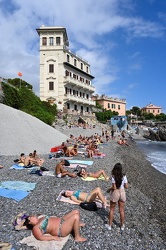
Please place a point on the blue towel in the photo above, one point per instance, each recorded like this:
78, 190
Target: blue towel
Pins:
13, 194
16, 166
89, 163
18, 185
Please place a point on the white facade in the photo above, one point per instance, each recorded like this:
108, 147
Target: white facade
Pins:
65, 78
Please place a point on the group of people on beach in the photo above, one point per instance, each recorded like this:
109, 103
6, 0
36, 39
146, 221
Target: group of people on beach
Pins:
60, 227
33, 159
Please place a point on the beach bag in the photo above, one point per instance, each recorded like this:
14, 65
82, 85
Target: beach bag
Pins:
67, 163
19, 220
91, 206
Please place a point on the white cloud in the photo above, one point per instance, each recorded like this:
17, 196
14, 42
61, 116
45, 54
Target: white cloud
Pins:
90, 26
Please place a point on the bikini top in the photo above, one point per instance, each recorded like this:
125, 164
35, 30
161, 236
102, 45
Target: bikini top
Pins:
77, 194
44, 223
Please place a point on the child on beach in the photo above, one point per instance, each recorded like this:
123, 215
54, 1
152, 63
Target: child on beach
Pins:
119, 183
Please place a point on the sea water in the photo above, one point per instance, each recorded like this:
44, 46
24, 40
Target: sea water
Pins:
155, 153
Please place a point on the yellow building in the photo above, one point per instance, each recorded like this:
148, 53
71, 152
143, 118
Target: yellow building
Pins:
65, 78
110, 103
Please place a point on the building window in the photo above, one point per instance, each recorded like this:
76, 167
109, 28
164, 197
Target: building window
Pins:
81, 65
119, 107
51, 41
87, 109
68, 58
158, 111
75, 107
58, 40
67, 73
66, 90
113, 106
44, 41
75, 62
87, 69
108, 105
87, 96
51, 85
153, 111
51, 68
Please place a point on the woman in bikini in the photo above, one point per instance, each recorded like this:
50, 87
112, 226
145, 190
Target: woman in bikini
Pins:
79, 196
97, 174
55, 226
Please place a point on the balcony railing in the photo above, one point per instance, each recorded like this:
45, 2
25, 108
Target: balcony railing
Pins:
73, 81
75, 98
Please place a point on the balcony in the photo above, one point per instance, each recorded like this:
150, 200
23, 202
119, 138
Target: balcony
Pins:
78, 99
73, 82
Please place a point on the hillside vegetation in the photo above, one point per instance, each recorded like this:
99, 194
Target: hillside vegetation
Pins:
23, 98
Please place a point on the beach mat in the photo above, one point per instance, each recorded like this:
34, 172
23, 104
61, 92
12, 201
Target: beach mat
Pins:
89, 163
44, 245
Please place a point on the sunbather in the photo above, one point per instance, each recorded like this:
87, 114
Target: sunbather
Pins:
79, 196
83, 173
55, 226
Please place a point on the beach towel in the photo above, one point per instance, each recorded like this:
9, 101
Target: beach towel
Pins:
16, 190
99, 156
74, 165
16, 166
65, 199
89, 163
13, 194
48, 173
19, 167
101, 177
44, 245
18, 185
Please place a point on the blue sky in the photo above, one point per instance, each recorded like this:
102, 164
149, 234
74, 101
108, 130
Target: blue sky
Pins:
123, 40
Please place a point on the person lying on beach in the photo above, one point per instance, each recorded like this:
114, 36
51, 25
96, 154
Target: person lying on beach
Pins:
1, 166
84, 174
61, 172
79, 196
55, 226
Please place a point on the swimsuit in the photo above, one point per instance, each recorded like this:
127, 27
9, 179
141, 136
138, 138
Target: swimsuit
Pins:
44, 223
77, 194
59, 175
60, 225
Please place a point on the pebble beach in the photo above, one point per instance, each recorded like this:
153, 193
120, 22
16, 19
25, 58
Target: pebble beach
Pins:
145, 209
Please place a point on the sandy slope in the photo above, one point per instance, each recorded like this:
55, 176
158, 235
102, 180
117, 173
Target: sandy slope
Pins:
20, 132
